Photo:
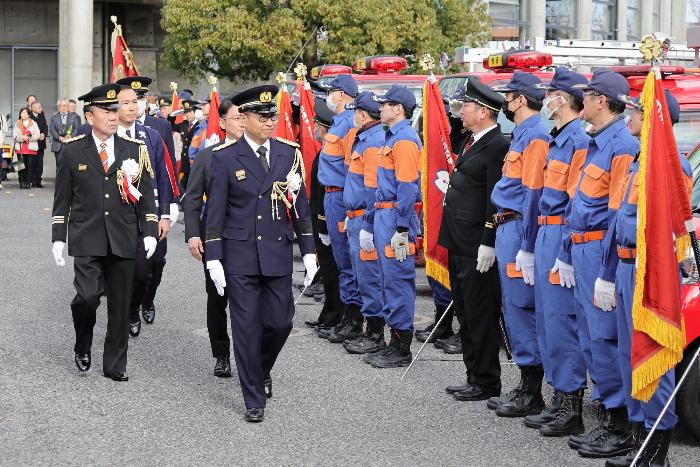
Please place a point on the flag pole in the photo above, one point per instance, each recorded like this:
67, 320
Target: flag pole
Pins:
437, 325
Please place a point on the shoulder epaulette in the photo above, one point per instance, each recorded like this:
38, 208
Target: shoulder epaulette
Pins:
222, 146
74, 138
286, 141
133, 140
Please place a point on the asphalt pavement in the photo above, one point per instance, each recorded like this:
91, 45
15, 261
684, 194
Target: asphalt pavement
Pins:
329, 408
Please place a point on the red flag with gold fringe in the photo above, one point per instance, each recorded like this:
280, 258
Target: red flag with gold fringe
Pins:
658, 335
438, 163
309, 146
123, 64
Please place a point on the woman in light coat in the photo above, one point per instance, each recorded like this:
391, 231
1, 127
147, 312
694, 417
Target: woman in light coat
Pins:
26, 137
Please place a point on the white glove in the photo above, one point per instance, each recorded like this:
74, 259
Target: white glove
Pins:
604, 294
566, 273
150, 244
366, 240
485, 258
325, 239
525, 262
311, 267
57, 251
216, 272
174, 213
399, 243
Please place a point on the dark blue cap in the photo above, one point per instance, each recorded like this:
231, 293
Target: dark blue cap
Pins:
185, 95
138, 83
344, 82
523, 83
565, 80
104, 96
366, 100
674, 108
399, 95
608, 83
482, 94
258, 99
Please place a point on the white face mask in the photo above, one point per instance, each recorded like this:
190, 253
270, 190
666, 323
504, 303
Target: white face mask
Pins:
548, 111
141, 103
332, 106
198, 115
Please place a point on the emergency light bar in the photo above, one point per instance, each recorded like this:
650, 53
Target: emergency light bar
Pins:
328, 70
643, 70
515, 59
380, 64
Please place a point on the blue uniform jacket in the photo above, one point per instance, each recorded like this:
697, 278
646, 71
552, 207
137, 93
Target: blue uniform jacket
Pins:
520, 188
600, 189
361, 181
332, 163
161, 180
398, 174
241, 230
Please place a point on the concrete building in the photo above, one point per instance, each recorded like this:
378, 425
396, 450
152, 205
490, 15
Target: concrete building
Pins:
587, 19
55, 48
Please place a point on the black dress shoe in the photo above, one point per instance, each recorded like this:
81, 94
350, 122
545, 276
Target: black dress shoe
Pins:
475, 393
268, 387
457, 388
313, 324
82, 361
135, 328
453, 345
149, 314
222, 369
116, 376
254, 415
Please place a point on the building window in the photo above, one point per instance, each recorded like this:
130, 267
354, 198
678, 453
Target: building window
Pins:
510, 21
634, 20
656, 16
603, 19
561, 19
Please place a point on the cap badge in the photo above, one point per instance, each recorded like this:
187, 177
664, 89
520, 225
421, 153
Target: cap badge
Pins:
266, 96
135, 85
111, 94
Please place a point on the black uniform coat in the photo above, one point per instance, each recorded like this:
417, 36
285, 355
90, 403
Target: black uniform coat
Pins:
88, 206
197, 188
240, 229
467, 214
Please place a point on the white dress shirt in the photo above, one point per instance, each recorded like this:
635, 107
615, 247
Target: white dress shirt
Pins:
121, 131
109, 148
478, 136
254, 146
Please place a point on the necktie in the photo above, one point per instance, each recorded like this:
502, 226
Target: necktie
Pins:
128, 133
63, 119
469, 144
262, 157
104, 157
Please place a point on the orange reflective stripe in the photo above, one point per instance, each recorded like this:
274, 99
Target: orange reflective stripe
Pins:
556, 176
371, 162
333, 146
406, 161
577, 161
596, 181
534, 161
633, 198
513, 165
618, 171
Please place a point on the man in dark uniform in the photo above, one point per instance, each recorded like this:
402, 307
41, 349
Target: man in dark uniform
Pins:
467, 231
103, 190
193, 206
256, 203
187, 130
333, 307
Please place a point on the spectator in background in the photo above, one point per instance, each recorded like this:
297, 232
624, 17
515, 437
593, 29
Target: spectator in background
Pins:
63, 125
73, 109
37, 114
26, 137
30, 100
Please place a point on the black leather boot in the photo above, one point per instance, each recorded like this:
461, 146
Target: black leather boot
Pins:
576, 441
547, 415
372, 340
655, 453
495, 402
568, 419
396, 354
529, 400
617, 439
352, 328
443, 332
